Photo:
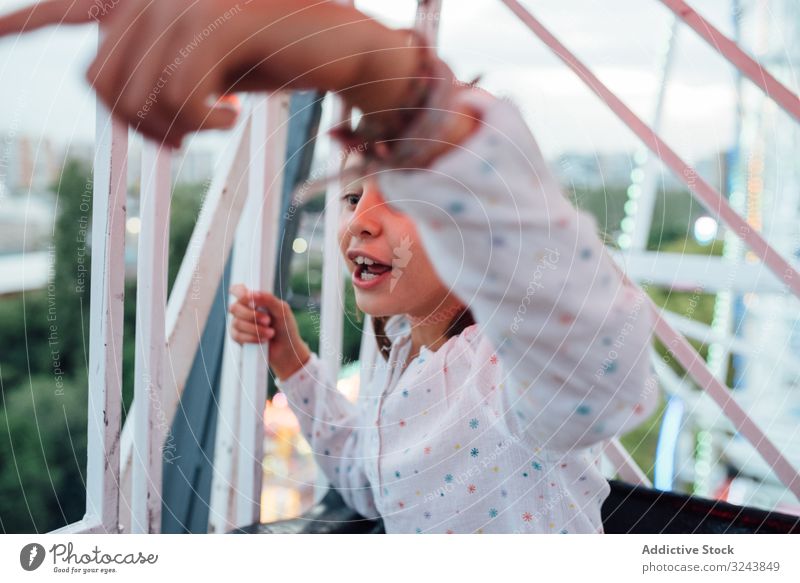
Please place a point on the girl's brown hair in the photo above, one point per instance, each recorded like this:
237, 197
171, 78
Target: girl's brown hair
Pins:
462, 320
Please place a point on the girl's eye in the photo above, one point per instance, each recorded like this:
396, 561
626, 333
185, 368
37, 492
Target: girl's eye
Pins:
351, 198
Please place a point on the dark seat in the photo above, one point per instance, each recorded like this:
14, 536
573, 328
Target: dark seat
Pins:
640, 510
628, 509
329, 516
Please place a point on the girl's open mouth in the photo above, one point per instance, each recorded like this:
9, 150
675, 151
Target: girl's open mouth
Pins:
368, 276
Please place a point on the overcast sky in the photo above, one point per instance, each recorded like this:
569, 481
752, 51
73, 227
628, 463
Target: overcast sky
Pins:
42, 91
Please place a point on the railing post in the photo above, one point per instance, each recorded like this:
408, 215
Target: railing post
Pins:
151, 299
267, 161
222, 511
106, 321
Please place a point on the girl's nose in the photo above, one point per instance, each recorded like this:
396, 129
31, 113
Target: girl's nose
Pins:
367, 219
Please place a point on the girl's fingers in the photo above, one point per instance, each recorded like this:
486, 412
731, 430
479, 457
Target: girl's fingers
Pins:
240, 310
279, 312
248, 338
238, 290
271, 302
248, 328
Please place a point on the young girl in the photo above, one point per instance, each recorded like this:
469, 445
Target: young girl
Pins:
491, 425
510, 347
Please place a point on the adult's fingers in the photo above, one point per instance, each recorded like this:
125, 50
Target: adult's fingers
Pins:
54, 12
153, 61
201, 117
145, 77
192, 89
111, 68
223, 114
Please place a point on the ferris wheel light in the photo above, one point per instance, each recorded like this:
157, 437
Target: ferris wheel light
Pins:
637, 175
705, 230
133, 225
299, 245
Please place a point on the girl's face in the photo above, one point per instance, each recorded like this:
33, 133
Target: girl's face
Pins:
390, 271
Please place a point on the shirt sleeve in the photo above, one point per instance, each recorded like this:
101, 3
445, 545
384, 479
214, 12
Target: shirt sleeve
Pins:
573, 336
330, 423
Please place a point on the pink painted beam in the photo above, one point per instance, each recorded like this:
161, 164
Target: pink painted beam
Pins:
694, 364
749, 67
713, 201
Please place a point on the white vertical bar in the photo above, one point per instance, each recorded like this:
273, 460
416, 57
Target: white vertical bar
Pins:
106, 321
429, 13
151, 300
222, 506
267, 156
331, 309
332, 297
647, 199
222, 514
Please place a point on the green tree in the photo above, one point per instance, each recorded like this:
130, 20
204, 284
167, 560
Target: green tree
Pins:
43, 448
68, 294
674, 213
43, 455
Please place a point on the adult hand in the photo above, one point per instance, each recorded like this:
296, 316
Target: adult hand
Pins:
160, 64
56, 12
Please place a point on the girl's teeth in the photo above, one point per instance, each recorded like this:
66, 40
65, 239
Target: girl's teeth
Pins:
366, 275
364, 260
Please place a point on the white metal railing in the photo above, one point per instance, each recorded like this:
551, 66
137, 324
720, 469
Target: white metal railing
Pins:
267, 154
105, 329
151, 345
123, 467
